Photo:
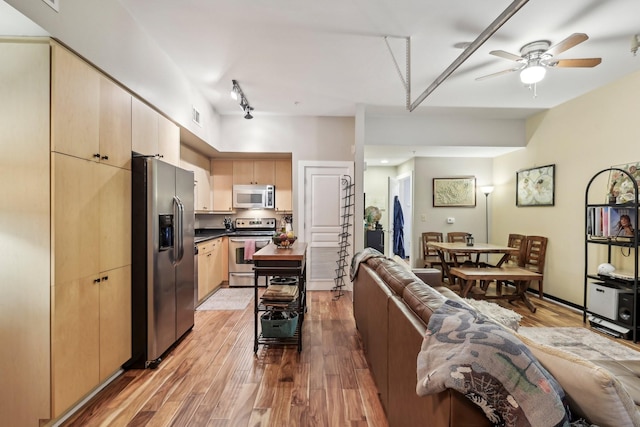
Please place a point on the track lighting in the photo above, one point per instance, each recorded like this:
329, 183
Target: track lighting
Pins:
238, 95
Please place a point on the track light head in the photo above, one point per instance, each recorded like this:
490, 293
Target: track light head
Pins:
247, 113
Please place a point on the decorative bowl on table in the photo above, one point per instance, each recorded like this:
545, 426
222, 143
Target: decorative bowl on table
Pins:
283, 241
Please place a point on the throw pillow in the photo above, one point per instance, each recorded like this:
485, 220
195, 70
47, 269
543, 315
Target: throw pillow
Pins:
592, 392
466, 351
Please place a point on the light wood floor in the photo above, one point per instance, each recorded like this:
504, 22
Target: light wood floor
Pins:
213, 377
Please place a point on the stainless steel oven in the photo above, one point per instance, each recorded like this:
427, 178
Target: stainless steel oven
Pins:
258, 232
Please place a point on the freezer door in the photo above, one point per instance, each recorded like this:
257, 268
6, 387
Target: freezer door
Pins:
161, 294
185, 269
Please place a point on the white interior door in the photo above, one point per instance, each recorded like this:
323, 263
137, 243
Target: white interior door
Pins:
323, 204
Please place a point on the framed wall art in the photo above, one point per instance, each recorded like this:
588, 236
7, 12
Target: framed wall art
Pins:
620, 186
454, 192
536, 186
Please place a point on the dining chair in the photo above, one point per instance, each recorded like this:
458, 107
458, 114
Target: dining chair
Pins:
534, 256
515, 241
459, 236
430, 255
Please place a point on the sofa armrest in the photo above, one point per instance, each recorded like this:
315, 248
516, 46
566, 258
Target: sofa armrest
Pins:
430, 276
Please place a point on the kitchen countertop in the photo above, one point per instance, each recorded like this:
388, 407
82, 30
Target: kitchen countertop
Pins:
202, 235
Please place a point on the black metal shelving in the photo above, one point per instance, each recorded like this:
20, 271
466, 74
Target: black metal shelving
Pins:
343, 245
611, 242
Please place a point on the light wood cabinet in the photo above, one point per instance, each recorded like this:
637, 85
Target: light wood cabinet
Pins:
204, 261
254, 172
75, 341
222, 184
284, 201
144, 128
92, 285
169, 141
91, 334
90, 114
199, 165
115, 323
75, 105
153, 134
212, 266
115, 124
203, 189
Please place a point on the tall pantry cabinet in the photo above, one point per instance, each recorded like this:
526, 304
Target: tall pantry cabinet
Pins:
67, 313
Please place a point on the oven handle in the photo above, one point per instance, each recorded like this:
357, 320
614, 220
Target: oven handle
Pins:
244, 240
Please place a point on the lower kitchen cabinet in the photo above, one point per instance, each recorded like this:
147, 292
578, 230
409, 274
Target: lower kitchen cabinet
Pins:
91, 334
212, 266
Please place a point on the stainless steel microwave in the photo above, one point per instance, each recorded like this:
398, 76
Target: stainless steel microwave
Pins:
254, 196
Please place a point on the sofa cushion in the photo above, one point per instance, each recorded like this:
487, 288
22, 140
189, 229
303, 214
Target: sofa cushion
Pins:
593, 392
470, 353
422, 299
395, 275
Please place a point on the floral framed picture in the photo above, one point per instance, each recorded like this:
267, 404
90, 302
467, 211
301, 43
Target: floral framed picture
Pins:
620, 185
536, 186
454, 192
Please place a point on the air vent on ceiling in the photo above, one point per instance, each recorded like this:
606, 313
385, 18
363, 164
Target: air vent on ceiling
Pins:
195, 115
54, 4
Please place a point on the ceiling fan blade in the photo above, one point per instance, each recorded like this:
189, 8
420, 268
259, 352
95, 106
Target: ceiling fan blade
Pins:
571, 41
581, 62
499, 73
506, 55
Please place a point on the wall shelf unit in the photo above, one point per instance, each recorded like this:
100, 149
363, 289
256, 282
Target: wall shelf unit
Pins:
611, 298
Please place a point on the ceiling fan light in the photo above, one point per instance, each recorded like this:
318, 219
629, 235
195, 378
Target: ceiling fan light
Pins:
532, 74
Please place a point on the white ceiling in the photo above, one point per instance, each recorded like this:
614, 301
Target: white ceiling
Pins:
301, 57
323, 57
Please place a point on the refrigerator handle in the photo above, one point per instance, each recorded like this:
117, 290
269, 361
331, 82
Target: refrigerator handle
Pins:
178, 246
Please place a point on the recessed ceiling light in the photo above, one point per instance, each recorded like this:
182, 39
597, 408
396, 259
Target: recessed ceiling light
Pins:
384, 161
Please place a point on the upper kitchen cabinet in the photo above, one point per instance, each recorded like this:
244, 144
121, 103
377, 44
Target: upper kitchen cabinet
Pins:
283, 185
75, 105
169, 141
222, 184
90, 114
115, 124
254, 172
199, 164
153, 134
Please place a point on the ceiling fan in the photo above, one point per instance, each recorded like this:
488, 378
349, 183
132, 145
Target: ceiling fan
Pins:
537, 56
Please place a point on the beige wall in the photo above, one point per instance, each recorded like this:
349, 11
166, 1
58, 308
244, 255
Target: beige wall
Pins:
425, 216
580, 137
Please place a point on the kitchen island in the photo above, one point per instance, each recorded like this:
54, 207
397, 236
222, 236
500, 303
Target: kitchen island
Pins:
277, 262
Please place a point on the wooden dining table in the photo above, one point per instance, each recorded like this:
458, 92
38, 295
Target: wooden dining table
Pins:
475, 272
455, 249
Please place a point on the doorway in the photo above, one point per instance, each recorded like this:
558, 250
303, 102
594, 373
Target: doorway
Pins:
402, 187
321, 207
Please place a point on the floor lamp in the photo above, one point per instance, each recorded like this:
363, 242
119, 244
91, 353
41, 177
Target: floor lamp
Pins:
487, 189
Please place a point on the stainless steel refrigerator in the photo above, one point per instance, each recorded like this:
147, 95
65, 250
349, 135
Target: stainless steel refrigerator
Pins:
163, 270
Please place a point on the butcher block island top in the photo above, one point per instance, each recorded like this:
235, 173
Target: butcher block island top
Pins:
273, 261
271, 252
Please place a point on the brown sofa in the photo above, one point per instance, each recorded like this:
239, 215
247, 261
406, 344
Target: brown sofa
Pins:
392, 307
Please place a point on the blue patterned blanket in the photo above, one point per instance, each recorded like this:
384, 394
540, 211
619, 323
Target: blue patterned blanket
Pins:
466, 351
